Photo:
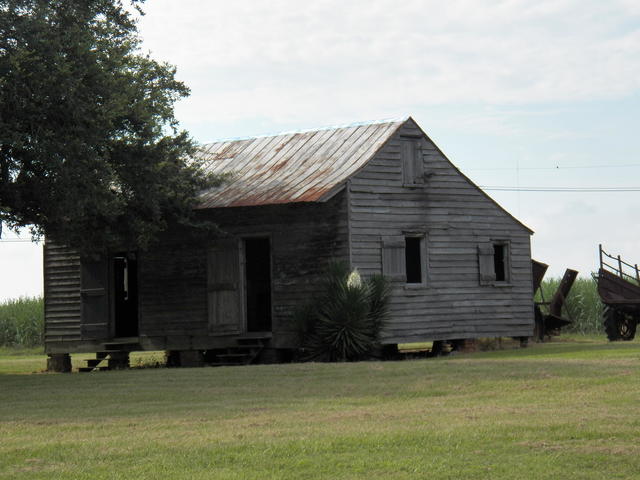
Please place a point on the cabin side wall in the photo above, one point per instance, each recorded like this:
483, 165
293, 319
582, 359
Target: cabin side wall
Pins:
454, 218
172, 278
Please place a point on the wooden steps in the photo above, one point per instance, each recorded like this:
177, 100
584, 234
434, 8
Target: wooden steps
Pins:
246, 351
113, 355
103, 368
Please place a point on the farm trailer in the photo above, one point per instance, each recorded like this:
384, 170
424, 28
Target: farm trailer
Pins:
619, 290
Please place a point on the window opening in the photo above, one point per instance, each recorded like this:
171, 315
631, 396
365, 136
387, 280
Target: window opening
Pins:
413, 259
499, 261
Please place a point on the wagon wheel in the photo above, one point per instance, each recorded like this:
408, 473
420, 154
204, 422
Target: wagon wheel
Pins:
619, 325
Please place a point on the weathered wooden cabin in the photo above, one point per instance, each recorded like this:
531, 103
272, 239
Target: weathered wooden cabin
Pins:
381, 196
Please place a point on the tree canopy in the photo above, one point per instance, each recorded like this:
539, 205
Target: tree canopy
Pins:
90, 150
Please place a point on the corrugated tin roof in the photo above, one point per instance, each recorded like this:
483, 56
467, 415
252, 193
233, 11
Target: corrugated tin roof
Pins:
307, 166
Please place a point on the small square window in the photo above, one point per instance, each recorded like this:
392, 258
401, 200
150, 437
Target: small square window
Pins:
493, 259
404, 258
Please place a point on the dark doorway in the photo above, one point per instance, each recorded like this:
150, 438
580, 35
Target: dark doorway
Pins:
258, 282
125, 295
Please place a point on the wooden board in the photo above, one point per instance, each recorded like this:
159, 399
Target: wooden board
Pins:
224, 288
62, 293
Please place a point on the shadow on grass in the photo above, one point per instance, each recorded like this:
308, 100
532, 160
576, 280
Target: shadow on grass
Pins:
585, 350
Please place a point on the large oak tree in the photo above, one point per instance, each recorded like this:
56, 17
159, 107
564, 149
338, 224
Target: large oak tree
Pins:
90, 151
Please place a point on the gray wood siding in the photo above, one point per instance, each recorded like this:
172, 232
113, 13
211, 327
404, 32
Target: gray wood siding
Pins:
61, 293
456, 217
172, 277
304, 238
172, 289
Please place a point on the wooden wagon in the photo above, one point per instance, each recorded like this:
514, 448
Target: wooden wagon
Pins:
619, 290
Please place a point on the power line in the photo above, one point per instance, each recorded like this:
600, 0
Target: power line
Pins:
557, 167
501, 188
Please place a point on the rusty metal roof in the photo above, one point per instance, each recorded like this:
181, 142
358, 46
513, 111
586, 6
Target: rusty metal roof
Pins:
309, 166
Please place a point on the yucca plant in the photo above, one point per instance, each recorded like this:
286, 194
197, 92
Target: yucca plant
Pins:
345, 322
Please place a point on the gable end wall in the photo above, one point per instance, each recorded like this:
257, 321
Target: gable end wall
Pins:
455, 218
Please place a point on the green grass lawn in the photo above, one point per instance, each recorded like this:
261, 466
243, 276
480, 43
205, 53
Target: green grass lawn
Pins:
561, 410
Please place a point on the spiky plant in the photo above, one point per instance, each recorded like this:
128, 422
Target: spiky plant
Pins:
345, 322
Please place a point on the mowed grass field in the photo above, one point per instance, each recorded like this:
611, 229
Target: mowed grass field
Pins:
560, 410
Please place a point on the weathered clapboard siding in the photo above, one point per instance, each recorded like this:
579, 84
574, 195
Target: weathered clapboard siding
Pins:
172, 276
172, 289
61, 294
455, 217
304, 238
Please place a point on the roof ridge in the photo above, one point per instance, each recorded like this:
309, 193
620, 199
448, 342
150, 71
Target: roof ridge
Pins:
308, 130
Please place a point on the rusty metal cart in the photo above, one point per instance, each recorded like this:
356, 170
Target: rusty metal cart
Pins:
550, 323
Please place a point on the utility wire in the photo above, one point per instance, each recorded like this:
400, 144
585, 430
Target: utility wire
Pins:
557, 167
501, 188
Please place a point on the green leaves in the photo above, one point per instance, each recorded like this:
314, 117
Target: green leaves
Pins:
345, 323
90, 152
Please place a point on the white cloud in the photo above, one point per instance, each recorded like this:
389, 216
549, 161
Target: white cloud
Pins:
333, 58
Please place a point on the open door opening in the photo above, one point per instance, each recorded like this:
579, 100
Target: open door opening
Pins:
125, 295
258, 284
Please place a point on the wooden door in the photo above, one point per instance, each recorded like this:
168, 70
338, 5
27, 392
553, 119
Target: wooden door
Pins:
94, 281
224, 288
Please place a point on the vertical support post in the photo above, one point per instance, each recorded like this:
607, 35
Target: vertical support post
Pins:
637, 273
620, 266
600, 251
118, 360
191, 358
465, 345
59, 363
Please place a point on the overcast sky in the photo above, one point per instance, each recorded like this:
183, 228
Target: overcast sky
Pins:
516, 93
